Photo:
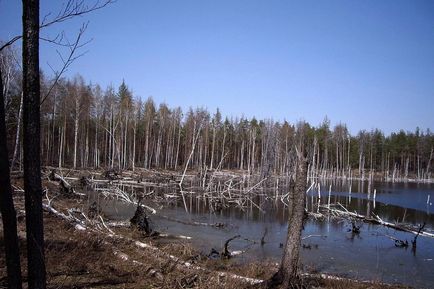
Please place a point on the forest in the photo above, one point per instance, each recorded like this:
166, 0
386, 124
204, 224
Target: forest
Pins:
100, 186
86, 126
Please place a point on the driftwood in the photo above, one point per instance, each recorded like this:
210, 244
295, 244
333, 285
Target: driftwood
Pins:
226, 254
194, 223
398, 243
378, 221
117, 193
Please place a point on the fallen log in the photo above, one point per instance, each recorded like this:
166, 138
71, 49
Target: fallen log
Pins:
66, 187
194, 223
378, 221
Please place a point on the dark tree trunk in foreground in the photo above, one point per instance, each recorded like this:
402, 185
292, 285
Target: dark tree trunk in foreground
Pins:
7, 205
290, 260
31, 145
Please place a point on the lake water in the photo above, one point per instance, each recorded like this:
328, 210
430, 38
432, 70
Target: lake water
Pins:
370, 255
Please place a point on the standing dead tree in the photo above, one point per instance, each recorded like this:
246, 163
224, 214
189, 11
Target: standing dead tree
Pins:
31, 145
288, 269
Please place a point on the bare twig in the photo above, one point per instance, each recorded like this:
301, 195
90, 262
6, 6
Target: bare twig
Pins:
71, 9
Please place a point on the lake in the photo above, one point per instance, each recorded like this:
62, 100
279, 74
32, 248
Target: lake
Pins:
332, 248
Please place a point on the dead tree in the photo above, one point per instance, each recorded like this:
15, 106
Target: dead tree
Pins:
287, 272
7, 205
31, 146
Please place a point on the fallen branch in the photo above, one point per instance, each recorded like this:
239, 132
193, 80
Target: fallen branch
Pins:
310, 236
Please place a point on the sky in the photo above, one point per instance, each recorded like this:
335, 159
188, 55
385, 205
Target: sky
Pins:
368, 64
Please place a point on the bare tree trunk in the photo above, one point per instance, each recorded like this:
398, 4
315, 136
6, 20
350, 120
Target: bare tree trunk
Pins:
223, 144
133, 159
96, 153
31, 145
146, 164
213, 146
110, 132
125, 157
290, 260
7, 205
76, 120
252, 166
86, 148
17, 136
241, 166
428, 166
348, 157
177, 146
112, 139
53, 130
62, 142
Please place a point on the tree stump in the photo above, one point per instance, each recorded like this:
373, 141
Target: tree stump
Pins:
140, 220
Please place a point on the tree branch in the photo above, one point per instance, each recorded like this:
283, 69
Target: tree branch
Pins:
71, 58
72, 9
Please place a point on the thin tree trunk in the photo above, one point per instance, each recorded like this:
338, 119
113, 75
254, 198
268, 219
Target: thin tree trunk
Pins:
223, 144
96, 160
17, 136
31, 145
76, 120
134, 145
213, 146
177, 146
428, 166
7, 205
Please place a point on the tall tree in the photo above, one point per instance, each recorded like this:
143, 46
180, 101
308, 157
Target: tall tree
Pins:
31, 146
7, 206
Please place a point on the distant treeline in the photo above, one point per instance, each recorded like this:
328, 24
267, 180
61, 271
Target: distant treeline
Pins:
85, 126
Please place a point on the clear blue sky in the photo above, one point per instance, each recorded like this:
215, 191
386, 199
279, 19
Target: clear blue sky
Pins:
369, 64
